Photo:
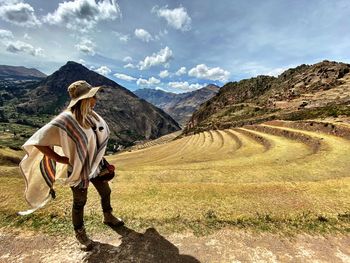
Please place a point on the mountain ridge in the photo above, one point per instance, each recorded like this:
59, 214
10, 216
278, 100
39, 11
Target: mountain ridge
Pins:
20, 72
130, 118
306, 91
179, 106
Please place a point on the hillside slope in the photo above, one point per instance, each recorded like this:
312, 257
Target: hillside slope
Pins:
304, 92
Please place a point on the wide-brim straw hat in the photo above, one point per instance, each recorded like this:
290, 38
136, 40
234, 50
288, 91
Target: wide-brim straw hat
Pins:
80, 90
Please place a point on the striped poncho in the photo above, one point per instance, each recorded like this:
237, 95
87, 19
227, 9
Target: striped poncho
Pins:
84, 148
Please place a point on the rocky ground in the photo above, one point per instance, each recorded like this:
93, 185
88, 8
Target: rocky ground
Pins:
126, 245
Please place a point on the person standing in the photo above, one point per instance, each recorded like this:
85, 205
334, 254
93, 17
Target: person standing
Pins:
70, 148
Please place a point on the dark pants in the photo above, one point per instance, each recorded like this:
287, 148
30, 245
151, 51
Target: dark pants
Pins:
80, 197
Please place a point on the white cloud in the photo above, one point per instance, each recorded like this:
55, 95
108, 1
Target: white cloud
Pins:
159, 88
143, 35
5, 34
164, 74
7, 39
22, 47
124, 77
127, 59
103, 70
185, 86
176, 18
129, 65
26, 36
21, 14
161, 34
83, 14
82, 61
8, 2
203, 72
276, 71
181, 71
144, 82
86, 46
255, 69
122, 37
163, 57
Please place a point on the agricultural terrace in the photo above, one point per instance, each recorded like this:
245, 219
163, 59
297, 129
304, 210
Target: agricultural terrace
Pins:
277, 176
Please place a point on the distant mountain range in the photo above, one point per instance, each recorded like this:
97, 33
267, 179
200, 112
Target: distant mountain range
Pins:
20, 73
16, 81
130, 118
304, 92
179, 106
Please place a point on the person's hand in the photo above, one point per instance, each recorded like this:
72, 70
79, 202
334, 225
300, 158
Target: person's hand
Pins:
111, 168
63, 159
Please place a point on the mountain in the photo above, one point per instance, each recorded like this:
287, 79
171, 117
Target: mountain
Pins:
179, 106
17, 81
129, 117
158, 98
20, 73
304, 92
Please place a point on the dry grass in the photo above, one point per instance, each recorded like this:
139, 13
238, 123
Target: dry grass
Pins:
212, 180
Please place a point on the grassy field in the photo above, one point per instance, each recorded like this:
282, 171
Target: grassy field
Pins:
271, 178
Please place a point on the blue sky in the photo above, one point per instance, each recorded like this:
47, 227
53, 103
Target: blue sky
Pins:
173, 45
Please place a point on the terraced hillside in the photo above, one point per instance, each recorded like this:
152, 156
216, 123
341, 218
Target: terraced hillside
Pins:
161, 140
279, 175
283, 173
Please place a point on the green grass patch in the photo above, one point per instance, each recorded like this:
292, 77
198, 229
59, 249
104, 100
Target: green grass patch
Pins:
55, 224
200, 208
332, 110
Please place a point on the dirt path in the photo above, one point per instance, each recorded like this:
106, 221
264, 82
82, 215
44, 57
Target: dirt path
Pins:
126, 245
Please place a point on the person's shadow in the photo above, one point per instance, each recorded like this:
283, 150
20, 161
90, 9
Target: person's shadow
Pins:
137, 247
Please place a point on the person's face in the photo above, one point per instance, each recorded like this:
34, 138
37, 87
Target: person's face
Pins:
93, 101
